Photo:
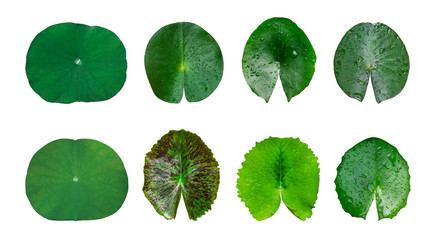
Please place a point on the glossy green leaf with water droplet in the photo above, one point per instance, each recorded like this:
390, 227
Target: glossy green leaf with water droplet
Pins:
279, 168
181, 164
278, 47
373, 50
183, 57
373, 168
70, 62
76, 180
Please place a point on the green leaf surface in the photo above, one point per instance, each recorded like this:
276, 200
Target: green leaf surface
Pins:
183, 56
278, 47
279, 168
373, 50
76, 180
70, 62
181, 164
371, 168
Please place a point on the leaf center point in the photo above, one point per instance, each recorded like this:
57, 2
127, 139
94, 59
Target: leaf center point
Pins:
78, 61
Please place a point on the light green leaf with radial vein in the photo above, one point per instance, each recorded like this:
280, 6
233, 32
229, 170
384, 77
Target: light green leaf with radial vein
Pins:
279, 168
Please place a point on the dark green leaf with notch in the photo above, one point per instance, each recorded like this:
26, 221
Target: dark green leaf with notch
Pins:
279, 168
183, 56
181, 164
70, 62
371, 168
373, 50
76, 180
278, 47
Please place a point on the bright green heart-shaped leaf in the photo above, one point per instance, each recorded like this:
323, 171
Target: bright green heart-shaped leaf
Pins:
373, 50
275, 168
371, 168
181, 164
76, 180
70, 62
183, 56
278, 48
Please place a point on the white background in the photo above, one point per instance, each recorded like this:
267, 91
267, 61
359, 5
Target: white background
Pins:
230, 121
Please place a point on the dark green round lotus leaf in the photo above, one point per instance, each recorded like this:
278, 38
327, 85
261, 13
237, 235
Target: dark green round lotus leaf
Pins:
371, 168
373, 50
181, 164
70, 62
183, 56
279, 168
76, 180
278, 47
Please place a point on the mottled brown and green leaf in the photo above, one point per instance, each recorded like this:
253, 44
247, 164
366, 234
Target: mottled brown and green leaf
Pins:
181, 164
